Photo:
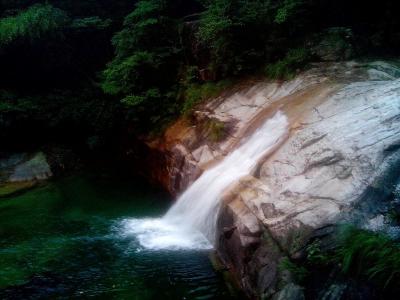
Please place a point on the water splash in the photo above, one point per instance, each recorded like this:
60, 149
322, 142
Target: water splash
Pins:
191, 221
157, 234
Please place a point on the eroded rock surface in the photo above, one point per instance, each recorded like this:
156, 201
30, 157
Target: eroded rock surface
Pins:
190, 145
339, 161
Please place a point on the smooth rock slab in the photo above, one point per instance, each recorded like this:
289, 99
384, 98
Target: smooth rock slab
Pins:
337, 165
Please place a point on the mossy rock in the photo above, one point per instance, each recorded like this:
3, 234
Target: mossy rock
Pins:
13, 188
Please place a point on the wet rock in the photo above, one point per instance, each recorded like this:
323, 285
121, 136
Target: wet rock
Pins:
385, 70
246, 250
322, 175
186, 150
335, 166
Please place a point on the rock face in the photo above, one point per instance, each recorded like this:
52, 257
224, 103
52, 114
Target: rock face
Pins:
340, 160
191, 145
34, 168
21, 171
339, 154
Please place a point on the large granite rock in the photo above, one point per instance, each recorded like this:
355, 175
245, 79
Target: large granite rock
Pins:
188, 147
339, 162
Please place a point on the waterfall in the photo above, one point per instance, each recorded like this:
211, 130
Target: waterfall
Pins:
191, 221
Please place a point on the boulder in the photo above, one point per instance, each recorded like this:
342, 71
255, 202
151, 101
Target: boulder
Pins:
338, 164
19, 172
34, 168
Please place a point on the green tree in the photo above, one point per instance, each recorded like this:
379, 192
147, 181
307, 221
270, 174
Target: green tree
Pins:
242, 33
34, 23
146, 63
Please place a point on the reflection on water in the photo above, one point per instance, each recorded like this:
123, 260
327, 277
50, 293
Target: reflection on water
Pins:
69, 239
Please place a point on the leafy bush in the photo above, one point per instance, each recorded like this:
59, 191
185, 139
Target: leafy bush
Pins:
144, 69
358, 255
316, 256
299, 272
286, 68
287, 9
31, 24
196, 93
375, 256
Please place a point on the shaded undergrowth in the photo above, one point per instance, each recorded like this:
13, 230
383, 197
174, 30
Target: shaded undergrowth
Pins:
359, 259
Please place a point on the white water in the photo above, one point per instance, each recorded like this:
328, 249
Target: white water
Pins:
191, 221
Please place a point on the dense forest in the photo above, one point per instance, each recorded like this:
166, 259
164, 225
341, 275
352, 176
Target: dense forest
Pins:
85, 72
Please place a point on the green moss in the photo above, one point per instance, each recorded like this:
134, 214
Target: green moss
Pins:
215, 130
12, 188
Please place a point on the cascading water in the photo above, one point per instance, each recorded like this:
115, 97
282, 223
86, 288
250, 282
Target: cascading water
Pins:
191, 221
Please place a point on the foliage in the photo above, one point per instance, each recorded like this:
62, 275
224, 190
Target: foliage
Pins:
315, 255
156, 59
242, 33
49, 56
216, 130
71, 116
224, 26
299, 272
287, 9
196, 93
143, 71
357, 254
375, 256
34, 23
287, 67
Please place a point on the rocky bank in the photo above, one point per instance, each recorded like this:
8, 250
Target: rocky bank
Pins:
338, 164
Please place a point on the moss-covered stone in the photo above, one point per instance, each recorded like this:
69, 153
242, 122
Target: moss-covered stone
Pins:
12, 188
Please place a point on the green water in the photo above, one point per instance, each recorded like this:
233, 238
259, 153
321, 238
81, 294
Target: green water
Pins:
61, 241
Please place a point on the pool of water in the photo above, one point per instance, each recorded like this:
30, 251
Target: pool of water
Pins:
65, 240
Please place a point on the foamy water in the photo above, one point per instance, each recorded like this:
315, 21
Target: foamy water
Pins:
191, 221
